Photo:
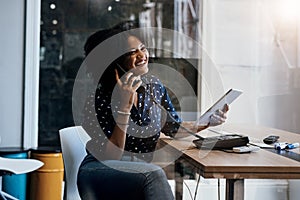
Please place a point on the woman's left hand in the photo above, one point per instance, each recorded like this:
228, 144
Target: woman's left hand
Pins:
219, 117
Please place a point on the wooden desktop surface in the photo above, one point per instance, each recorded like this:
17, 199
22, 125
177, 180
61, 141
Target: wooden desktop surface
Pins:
220, 164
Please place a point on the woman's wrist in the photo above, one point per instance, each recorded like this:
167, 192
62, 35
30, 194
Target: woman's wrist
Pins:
123, 112
122, 118
202, 127
125, 107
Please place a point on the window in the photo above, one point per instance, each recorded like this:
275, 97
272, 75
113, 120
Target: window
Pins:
65, 26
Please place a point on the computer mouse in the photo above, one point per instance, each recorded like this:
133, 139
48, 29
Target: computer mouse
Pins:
271, 139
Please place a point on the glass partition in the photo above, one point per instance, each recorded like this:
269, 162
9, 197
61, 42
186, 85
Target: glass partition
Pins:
65, 26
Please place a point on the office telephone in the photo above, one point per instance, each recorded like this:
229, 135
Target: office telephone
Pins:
220, 142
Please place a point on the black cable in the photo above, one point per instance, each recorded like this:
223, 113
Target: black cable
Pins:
186, 129
219, 188
174, 120
196, 189
161, 107
188, 190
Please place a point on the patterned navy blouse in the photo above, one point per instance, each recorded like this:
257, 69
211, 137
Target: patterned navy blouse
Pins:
147, 120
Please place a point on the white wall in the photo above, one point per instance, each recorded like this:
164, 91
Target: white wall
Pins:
255, 47
11, 71
241, 37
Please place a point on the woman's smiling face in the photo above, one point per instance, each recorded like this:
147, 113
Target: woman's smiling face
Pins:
138, 56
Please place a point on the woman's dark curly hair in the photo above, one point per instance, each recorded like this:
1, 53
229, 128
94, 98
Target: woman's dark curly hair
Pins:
101, 35
108, 77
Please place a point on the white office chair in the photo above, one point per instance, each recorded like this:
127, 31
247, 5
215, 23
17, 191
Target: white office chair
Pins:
16, 166
73, 141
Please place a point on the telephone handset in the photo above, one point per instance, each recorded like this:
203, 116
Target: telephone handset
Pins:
124, 71
121, 68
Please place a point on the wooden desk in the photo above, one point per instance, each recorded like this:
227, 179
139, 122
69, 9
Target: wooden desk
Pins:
235, 167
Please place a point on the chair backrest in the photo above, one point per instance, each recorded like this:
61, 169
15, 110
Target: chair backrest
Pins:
19, 166
73, 140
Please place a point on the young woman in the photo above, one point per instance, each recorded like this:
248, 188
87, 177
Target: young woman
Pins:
132, 108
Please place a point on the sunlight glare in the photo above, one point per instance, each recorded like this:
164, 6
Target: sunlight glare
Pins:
290, 9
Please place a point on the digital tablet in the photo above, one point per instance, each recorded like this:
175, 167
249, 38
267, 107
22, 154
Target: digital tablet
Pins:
227, 98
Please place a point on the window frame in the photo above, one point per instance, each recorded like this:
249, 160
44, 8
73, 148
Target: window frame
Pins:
31, 73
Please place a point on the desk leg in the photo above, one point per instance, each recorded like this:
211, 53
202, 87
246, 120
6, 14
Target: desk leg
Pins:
178, 179
178, 186
234, 189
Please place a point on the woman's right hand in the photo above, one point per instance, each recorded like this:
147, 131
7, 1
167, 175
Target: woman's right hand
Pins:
126, 92
127, 86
